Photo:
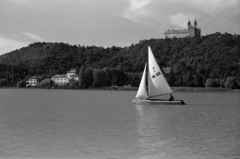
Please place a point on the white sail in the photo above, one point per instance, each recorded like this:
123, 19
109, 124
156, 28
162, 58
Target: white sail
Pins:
156, 81
142, 93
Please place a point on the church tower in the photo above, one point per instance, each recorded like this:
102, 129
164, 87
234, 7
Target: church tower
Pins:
189, 24
195, 23
191, 31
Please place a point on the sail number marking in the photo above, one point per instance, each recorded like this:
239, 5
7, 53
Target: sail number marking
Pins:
157, 74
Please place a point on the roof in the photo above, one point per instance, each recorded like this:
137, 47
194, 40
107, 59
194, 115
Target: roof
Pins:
34, 77
72, 71
74, 76
176, 31
60, 76
167, 69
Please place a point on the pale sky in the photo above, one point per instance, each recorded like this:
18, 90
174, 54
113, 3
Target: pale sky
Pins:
109, 23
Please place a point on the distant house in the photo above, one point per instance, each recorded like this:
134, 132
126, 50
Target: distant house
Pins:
167, 69
191, 31
60, 79
75, 77
64, 79
71, 73
33, 81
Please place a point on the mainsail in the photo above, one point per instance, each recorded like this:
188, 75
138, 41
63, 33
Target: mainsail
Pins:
156, 82
142, 93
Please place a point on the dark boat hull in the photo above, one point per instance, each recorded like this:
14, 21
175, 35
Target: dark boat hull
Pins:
158, 101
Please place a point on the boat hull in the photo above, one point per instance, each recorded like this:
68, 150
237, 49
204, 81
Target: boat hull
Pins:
158, 101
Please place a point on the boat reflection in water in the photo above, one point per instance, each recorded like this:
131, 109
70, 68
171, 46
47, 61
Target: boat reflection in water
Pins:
150, 142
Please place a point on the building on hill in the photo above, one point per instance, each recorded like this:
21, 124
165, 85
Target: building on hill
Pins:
191, 31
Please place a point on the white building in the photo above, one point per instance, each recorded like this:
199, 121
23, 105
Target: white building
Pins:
64, 79
71, 73
60, 79
75, 77
191, 31
32, 81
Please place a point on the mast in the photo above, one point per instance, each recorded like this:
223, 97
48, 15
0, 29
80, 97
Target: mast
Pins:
148, 73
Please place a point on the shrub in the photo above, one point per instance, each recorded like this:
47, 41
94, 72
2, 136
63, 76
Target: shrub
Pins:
73, 84
231, 83
211, 83
46, 83
21, 84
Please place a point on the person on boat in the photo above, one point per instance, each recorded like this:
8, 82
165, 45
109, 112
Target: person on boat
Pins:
171, 97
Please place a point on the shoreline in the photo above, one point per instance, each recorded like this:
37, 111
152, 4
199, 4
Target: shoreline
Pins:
175, 89
188, 89
199, 89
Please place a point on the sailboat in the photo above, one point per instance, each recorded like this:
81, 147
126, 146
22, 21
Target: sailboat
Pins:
157, 85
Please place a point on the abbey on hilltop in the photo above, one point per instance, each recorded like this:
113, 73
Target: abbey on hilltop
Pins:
191, 31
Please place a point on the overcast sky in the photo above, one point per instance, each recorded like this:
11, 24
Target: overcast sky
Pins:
109, 22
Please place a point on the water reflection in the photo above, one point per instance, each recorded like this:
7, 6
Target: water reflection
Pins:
150, 142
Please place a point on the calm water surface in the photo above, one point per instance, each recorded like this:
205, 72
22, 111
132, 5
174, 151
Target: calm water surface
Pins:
37, 123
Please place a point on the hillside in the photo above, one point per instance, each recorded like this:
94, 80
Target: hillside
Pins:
193, 60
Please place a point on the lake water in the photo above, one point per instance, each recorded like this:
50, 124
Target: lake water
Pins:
40, 123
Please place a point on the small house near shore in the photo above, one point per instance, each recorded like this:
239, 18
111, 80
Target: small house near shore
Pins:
33, 81
60, 79
64, 79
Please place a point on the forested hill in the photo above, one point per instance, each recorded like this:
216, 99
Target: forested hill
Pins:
193, 60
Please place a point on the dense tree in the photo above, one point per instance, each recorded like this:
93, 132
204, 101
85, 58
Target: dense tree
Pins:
81, 77
231, 83
118, 77
211, 83
133, 79
73, 84
99, 77
46, 83
193, 61
88, 77
21, 83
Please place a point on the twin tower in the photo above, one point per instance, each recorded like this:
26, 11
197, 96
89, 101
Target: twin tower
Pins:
191, 31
